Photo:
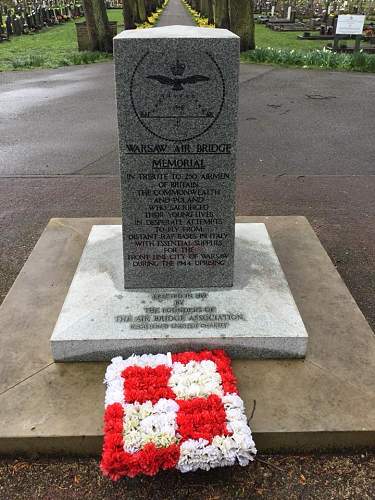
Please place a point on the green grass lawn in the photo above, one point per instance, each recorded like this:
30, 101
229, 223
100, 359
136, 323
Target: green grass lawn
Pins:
285, 49
264, 37
52, 47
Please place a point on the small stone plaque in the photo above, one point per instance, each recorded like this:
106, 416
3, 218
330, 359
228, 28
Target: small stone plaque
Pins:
177, 101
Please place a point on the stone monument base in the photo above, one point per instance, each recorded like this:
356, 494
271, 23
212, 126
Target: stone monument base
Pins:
325, 401
256, 318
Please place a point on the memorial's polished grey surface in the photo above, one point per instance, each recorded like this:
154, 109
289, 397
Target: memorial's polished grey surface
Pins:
177, 106
257, 318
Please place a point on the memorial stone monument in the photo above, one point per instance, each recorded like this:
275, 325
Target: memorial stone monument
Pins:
179, 274
177, 100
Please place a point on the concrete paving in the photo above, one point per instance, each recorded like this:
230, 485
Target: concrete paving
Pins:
292, 122
323, 402
175, 13
58, 122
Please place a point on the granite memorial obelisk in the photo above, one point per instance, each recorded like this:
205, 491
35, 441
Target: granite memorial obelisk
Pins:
177, 100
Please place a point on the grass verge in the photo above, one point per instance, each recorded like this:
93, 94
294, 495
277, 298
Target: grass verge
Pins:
50, 48
56, 46
35, 60
322, 59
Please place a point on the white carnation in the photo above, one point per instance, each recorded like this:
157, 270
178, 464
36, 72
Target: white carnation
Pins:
195, 379
147, 423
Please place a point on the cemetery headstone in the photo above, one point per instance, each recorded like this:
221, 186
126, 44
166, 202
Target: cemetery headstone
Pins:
29, 21
177, 96
8, 25
14, 32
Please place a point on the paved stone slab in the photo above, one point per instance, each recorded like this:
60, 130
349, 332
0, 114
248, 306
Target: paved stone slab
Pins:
177, 104
257, 318
324, 402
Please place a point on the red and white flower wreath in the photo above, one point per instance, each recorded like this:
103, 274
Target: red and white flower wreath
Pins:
168, 411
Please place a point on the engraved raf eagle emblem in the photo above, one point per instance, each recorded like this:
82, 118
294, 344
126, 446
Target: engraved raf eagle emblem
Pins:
178, 81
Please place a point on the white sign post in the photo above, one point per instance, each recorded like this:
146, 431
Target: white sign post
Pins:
350, 24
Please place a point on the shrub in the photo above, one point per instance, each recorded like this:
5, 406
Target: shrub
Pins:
85, 57
29, 61
64, 59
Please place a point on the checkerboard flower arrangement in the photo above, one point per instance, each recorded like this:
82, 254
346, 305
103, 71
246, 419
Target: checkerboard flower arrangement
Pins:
168, 411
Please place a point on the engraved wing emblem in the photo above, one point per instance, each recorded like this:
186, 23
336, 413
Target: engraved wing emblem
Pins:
178, 83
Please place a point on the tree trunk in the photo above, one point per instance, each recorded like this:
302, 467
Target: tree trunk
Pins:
128, 15
142, 10
195, 5
133, 6
204, 8
91, 25
210, 10
149, 7
221, 14
326, 15
311, 8
241, 19
252, 26
102, 24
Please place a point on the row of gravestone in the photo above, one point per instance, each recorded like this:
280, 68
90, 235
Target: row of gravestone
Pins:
27, 19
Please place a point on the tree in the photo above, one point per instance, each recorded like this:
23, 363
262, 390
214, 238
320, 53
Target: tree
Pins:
105, 43
98, 28
203, 9
91, 24
241, 19
221, 13
128, 14
141, 10
235, 15
210, 11
327, 4
137, 11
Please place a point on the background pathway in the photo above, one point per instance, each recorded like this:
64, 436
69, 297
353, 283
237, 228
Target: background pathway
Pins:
292, 122
175, 13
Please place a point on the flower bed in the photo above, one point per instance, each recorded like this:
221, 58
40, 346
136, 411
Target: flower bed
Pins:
168, 411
